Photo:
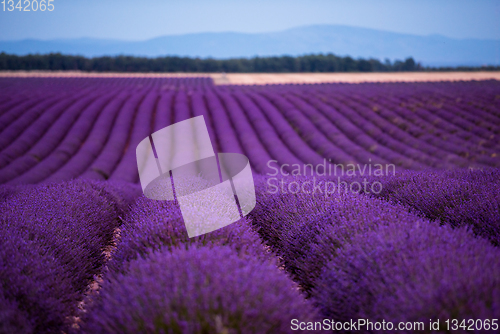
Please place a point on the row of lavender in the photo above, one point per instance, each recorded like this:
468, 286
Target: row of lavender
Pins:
461, 198
354, 256
435, 131
159, 280
410, 256
54, 129
52, 239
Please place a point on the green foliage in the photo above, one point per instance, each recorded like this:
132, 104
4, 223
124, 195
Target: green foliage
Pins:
283, 64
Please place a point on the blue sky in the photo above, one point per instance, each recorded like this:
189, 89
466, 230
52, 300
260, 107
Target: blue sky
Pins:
144, 19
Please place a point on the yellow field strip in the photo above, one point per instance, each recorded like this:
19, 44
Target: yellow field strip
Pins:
279, 78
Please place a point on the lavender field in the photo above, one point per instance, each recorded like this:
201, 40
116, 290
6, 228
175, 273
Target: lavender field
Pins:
375, 201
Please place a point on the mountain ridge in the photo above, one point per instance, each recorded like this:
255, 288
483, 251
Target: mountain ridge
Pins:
341, 40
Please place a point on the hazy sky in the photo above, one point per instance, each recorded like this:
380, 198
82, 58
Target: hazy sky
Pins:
143, 19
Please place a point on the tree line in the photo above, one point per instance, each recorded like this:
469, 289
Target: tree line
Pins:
283, 64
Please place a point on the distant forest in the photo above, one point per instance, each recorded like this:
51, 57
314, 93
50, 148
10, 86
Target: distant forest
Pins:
283, 64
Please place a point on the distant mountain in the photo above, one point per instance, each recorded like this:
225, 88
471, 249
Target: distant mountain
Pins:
433, 50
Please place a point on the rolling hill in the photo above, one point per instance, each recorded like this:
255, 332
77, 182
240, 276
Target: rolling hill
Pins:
432, 50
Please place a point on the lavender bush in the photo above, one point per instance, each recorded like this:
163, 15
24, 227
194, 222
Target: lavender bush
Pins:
306, 230
52, 242
13, 320
458, 197
198, 290
37, 290
152, 225
412, 272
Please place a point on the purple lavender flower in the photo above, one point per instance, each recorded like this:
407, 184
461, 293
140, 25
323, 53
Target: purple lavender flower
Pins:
198, 290
152, 225
52, 239
412, 272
